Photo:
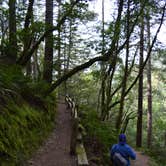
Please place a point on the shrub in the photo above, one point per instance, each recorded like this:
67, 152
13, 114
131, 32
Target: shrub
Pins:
100, 135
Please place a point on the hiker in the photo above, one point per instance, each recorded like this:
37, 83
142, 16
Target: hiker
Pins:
121, 152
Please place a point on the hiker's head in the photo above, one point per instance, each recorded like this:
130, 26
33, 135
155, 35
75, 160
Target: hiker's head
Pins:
122, 138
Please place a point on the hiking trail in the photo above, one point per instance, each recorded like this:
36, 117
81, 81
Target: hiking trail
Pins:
56, 149
142, 160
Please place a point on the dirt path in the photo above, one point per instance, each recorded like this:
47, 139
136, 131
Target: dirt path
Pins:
142, 160
55, 151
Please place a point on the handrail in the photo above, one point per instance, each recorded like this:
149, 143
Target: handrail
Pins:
76, 144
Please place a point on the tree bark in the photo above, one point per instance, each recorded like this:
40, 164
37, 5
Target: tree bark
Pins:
35, 67
12, 31
140, 87
103, 70
48, 57
125, 77
59, 40
29, 14
2, 33
27, 36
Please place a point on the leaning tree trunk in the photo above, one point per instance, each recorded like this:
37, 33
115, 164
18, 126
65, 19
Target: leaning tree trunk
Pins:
140, 88
125, 77
12, 32
48, 58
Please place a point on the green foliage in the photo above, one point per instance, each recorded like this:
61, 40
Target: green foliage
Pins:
22, 127
158, 156
37, 88
84, 88
21, 131
11, 77
99, 131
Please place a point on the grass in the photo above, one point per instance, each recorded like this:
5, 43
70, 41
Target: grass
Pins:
25, 117
22, 129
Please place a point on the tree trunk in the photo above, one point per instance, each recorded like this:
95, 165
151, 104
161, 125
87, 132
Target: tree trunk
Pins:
66, 59
27, 36
35, 67
12, 31
140, 88
48, 58
59, 40
125, 77
28, 68
103, 71
149, 92
165, 139
2, 31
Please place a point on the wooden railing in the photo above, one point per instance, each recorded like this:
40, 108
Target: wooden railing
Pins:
76, 145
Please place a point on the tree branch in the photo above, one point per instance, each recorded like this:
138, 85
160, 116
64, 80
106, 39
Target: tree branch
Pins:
105, 57
29, 14
149, 52
24, 58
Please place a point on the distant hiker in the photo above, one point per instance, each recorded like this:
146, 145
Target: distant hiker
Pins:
121, 152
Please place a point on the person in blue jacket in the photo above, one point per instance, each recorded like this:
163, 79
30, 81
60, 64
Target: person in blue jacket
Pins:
123, 149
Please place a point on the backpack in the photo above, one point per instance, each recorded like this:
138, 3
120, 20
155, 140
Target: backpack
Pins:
119, 160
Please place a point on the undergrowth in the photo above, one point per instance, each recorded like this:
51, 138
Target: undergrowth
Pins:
22, 129
99, 138
24, 122
158, 155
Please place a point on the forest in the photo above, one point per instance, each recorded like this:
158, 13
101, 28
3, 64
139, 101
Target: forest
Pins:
105, 55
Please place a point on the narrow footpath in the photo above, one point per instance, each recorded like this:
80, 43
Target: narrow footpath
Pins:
56, 149
142, 160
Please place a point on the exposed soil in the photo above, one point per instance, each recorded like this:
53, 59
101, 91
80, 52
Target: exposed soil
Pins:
56, 149
142, 160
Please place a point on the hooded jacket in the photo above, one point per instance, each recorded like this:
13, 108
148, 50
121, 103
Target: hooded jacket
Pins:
124, 149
